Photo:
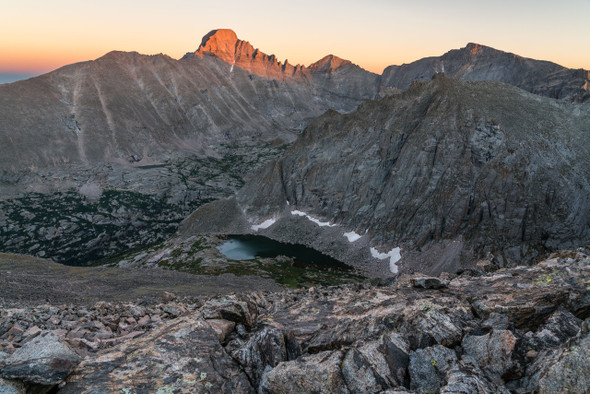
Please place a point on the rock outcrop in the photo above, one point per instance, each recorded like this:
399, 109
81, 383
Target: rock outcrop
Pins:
519, 330
456, 170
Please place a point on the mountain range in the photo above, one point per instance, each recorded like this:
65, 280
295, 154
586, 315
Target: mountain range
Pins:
178, 133
130, 107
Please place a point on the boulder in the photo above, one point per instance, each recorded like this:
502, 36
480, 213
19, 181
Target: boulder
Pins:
428, 282
233, 308
429, 323
265, 350
377, 365
428, 368
467, 378
222, 327
561, 326
44, 360
492, 352
316, 373
560, 370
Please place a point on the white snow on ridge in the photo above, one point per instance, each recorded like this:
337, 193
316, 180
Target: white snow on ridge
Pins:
352, 236
266, 224
394, 256
311, 218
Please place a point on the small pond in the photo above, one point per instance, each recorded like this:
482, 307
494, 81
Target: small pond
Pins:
249, 247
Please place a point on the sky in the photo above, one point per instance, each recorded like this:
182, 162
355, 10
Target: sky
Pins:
38, 36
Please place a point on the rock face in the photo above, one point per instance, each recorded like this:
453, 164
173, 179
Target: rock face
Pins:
509, 331
481, 63
449, 169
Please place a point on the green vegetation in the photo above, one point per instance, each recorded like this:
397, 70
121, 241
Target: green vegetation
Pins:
74, 230
278, 269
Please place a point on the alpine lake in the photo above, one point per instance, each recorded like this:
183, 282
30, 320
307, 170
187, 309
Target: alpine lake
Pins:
291, 265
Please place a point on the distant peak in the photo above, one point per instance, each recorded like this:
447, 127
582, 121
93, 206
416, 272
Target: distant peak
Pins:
329, 63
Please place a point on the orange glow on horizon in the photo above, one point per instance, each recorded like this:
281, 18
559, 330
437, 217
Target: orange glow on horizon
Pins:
374, 34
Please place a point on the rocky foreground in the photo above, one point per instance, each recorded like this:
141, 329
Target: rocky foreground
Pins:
524, 329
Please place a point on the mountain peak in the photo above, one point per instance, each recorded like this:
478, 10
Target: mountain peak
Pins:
474, 48
329, 63
220, 42
225, 45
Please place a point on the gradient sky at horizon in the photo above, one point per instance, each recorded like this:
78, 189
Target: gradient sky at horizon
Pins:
39, 36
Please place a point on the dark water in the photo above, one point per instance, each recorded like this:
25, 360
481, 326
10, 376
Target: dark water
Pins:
249, 247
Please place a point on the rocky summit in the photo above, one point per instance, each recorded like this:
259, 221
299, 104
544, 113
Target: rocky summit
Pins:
224, 44
520, 330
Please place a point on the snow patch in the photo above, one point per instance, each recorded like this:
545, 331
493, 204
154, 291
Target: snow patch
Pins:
352, 236
311, 218
394, 256
266, 224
